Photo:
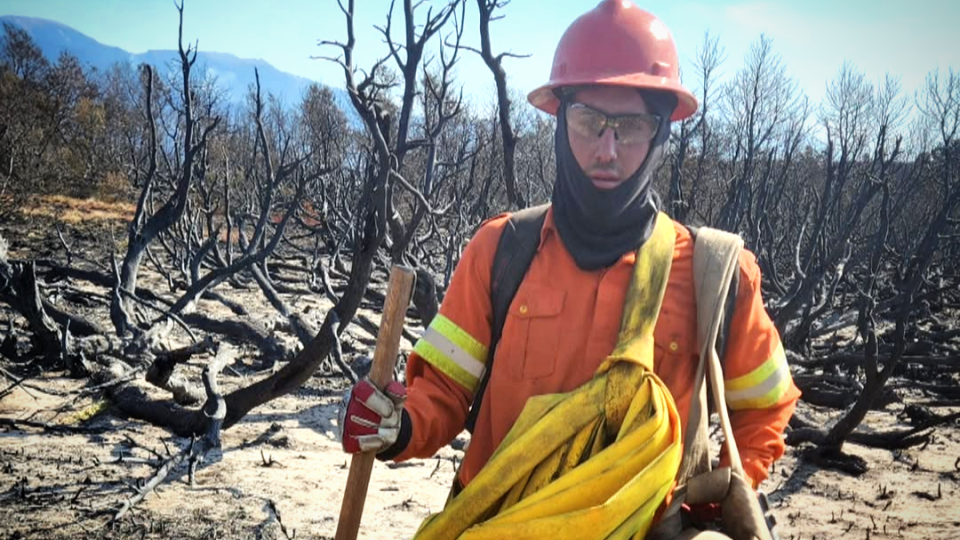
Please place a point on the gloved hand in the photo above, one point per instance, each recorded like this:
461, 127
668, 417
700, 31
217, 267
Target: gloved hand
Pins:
369, 418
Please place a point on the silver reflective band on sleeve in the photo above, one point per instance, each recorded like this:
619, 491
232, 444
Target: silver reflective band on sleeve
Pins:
765, 393
453, 352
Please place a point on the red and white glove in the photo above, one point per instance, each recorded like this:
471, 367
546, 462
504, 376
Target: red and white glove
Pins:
369, 418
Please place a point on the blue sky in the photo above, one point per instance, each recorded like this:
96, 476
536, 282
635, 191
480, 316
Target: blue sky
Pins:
813, 36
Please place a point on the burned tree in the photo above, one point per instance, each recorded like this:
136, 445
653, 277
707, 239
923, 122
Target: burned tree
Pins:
850, 187
758, 103
282, 175
494, 63
437, 106
146, 226
937, 170
695, 135
368, 238
939, 105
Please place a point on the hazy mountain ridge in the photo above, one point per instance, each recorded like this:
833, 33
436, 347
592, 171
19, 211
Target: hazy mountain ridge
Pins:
234, 74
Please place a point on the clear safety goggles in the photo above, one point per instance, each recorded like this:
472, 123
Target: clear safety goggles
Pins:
587, 121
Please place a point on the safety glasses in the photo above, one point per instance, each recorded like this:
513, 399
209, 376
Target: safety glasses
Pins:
628, 129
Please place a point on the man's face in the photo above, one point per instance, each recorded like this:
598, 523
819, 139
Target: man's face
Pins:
606, 159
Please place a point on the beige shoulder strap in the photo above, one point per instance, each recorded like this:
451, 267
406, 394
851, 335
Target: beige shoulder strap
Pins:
715, 259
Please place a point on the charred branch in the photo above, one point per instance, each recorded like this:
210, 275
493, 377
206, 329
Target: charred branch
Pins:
19, 289
495, 65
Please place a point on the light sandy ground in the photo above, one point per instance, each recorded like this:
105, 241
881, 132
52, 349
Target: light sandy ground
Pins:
233, 494
305, 480
283, 458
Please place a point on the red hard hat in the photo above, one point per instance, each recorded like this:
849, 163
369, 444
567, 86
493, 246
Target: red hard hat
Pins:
617, 44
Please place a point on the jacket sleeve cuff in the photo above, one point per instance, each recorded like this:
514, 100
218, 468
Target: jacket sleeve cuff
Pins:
403, 439
755, 472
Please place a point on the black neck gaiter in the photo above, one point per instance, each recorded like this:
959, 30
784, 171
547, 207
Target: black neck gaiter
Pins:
597, 226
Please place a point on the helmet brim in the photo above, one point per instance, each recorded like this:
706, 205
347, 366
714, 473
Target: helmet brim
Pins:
545, 97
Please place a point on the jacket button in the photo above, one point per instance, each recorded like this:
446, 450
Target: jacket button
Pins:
674, 346
523, 309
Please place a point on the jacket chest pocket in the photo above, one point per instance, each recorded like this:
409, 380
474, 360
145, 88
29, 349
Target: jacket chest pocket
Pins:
532, 331
675, 354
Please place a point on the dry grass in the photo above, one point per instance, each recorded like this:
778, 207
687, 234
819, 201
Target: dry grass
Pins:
72, 210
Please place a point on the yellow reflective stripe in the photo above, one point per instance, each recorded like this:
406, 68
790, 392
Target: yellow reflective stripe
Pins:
453, 351
769, 399
437, 359
762, 387
758, 375
460, 337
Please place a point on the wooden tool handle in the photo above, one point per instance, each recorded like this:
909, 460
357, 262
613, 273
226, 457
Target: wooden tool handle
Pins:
399, 291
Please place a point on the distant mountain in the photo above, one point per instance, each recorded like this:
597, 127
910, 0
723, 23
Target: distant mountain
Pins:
233, 73
53, 37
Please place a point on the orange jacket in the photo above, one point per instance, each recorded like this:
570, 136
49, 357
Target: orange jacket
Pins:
562, 323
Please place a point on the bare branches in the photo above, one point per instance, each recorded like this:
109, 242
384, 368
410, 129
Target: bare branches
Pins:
757, 103
143, 231
46, 426
215, 409
158, 477
362, 101
388, 37
413, 48
495, 64
161, 373
194, 453
709, 57
940, 103
416, 193
337, 351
